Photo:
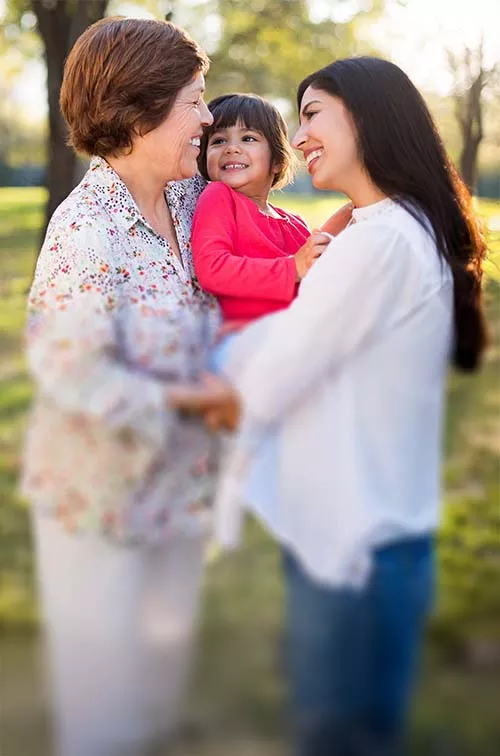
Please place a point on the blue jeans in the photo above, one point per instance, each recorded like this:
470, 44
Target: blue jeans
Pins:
353, 654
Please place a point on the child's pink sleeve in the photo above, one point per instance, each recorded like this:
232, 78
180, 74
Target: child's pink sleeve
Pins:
220, 262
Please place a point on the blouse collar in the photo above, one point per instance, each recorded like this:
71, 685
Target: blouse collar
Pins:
370, 211
124, 209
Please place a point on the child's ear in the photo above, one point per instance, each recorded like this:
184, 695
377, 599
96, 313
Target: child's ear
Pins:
276, 168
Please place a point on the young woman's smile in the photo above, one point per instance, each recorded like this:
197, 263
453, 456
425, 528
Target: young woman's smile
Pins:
327, 139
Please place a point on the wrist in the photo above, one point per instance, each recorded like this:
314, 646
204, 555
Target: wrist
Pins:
298, 276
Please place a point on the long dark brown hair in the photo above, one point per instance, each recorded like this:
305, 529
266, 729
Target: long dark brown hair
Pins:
404, 156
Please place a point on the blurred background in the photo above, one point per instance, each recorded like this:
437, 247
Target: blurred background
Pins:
451, 51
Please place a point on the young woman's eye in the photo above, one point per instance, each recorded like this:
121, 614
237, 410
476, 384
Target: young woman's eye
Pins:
308, 114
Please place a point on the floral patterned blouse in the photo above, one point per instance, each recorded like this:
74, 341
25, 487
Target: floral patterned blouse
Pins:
113, 317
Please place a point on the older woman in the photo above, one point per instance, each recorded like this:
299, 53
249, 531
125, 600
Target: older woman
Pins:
120, 483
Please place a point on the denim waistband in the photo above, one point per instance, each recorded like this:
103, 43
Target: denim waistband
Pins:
416, 547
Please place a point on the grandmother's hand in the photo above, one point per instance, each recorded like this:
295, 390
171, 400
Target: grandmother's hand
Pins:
213, 398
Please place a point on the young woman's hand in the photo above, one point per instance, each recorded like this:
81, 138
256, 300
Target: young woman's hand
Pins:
213, 398
339, 220
309, 252
229, 326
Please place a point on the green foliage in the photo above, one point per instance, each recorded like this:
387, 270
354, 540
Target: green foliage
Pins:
268, 47
21, 141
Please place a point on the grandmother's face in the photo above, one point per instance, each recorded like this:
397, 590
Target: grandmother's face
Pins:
173, 147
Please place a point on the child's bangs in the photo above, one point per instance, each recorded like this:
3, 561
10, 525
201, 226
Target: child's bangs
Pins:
248, 112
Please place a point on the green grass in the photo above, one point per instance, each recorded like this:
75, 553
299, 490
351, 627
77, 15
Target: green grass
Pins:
239, 689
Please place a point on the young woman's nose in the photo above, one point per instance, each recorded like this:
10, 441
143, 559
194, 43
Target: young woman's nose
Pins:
299, 139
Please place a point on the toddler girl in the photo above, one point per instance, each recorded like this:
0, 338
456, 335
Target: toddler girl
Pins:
250, 254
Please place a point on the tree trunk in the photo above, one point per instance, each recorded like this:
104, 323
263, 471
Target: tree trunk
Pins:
60, 22
468, 163
469, 107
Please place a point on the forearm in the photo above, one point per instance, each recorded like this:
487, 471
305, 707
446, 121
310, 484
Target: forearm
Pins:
226, 274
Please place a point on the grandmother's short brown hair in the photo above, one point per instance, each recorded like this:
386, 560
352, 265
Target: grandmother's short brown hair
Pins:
121, 79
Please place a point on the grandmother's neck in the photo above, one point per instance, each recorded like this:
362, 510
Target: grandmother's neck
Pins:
144, 185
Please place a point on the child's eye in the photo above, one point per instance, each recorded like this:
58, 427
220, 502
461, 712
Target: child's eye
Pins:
249, 138
216, 140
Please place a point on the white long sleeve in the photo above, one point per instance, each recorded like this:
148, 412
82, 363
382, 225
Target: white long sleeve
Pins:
347, 299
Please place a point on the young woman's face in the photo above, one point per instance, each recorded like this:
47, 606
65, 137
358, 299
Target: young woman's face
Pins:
241, 158
327, 139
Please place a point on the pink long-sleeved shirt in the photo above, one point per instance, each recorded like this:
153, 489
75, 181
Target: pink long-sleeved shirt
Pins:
242, 255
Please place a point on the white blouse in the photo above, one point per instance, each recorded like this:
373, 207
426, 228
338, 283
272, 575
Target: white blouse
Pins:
349, 381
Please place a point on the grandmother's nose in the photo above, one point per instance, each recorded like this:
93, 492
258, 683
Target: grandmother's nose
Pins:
207, 118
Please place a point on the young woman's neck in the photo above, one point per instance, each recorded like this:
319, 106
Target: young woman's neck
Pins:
146, 187
363, 192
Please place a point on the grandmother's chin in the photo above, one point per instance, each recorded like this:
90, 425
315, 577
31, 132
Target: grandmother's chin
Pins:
189, 168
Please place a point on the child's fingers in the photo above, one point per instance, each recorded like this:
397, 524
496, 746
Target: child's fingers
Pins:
318, 236
312, 257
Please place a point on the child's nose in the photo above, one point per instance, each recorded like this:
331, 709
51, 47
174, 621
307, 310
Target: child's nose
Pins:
232, 147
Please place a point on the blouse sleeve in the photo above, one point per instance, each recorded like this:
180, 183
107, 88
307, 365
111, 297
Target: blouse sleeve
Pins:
222, 268
349, 295
72, 337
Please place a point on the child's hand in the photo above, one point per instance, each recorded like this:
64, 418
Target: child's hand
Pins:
310, 251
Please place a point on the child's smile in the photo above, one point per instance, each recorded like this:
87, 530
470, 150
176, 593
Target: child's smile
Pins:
241, 158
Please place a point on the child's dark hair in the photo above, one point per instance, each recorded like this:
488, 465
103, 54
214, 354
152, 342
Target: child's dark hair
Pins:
404, 156
255, 113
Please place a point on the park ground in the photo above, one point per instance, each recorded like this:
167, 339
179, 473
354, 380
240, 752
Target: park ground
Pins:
238, 692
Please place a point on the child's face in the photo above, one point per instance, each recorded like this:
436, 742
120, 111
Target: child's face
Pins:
241, 158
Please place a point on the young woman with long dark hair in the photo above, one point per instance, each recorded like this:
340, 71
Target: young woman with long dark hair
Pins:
353, 376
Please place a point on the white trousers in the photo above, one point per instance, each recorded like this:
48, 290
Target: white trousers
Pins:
119, 626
